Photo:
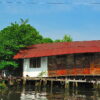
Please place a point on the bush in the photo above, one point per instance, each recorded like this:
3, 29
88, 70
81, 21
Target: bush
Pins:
3, 85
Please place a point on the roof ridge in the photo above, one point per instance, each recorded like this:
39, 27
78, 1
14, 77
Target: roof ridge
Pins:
66, 42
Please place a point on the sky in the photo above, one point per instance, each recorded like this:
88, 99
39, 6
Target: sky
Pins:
54, 18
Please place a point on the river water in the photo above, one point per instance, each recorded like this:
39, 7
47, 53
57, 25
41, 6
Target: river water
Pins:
31, 93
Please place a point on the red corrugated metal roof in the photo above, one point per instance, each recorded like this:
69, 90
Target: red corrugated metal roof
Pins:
50, 49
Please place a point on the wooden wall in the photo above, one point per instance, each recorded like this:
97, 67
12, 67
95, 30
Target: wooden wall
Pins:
74, 64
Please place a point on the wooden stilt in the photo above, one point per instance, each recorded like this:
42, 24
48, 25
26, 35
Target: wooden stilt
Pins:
45, 83
75, 85
40, 85
24, 82
95, 85
51, 86
99, 86
66, 84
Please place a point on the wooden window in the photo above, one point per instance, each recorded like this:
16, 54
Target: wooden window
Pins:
70, 61
61, 59
52, 63
35, 62
82, 60
61, 62
97, 59
57, 62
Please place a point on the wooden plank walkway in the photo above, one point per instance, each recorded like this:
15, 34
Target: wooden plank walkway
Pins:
62, 80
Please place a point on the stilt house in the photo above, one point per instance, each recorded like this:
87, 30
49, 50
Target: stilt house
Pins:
61, 59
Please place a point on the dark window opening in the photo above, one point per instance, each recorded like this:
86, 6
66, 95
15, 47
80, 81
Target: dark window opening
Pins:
35, 62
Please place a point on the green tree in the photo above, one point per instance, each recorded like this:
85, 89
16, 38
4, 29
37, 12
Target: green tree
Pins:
15, 37
47, 40
66, 38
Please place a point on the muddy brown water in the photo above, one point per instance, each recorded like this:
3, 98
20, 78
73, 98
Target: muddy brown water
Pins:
32, 93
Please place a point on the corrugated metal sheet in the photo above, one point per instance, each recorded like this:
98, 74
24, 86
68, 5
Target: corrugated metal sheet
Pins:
50, 49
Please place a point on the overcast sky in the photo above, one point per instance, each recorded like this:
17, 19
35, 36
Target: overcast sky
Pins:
55, 18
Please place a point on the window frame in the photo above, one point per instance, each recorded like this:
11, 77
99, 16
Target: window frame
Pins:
35, 62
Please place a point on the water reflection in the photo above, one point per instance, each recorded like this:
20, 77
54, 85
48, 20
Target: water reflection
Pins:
32, 95
46, 94
10, 95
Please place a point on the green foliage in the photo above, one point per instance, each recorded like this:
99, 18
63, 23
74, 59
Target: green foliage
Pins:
66, 38
15, 37
57, 40
47, 40
4, 64
3, 85
41, 74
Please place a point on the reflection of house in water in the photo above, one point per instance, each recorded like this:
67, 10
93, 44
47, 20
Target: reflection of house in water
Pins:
32, 95
61, 59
